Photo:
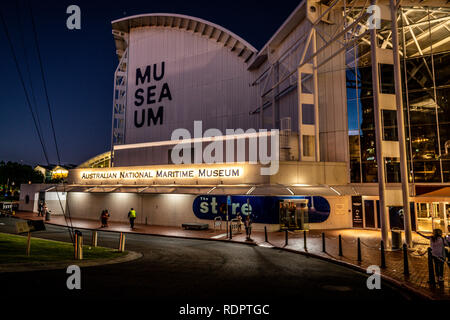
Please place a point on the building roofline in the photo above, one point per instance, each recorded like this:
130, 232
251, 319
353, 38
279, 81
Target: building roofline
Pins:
183, 22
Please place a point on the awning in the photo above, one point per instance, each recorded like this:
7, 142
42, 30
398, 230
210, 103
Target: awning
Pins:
438, 193
254, 190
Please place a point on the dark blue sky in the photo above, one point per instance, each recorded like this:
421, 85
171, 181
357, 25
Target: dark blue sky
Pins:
79, 67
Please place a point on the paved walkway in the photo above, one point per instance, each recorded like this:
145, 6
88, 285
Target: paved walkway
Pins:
370, 248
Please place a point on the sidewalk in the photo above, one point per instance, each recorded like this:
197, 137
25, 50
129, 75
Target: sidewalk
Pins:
370, 243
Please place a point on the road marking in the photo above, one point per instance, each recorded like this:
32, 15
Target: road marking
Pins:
219, 236
265, 245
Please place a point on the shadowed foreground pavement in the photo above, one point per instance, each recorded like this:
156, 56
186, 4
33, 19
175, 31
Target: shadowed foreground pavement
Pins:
185, 270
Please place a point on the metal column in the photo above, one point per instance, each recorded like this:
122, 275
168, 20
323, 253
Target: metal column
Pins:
401, 125
384, 217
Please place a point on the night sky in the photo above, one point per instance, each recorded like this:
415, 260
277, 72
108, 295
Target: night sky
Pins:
79, 67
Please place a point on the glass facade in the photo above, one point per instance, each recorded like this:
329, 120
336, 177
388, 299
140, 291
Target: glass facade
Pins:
424, 36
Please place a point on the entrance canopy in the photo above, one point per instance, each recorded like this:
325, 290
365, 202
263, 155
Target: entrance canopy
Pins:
260, 190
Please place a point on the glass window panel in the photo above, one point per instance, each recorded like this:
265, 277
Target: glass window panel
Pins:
355, 169
442, 69
392, 170
308, 146
307, 113
307, 83
443, 103
389, 125
387, 78
419, 73
424, 136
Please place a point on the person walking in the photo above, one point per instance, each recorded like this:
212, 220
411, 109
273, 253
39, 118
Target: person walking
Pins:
438, 252
132, 217
248, 227
104, 218
45, 212
40, 205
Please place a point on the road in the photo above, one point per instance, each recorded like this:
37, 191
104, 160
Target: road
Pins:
186, 270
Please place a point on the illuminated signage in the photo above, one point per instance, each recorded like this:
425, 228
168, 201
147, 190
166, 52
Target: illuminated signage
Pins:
197, 173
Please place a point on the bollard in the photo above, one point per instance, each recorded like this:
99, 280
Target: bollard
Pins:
340, 246
286, 238
383, 258
78, 245
405, 260
431, 279
94, 238
265, 234
122, 242
75, 245
231, 233
28, 243
359, 250
304, 240
323, 242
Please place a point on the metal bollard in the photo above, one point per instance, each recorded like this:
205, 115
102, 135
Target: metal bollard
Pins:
359, 250
286, 241
231, 233
94, 238
304, 240
383, 258
431, 279
265, 234
78, 245
405, 260
122, 242
340, 246
323, 242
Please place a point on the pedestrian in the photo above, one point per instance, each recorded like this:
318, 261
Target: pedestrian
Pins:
40, 208
248, 227
104, 218
240, 223
132, 217
107, 215
44, 211
438, 252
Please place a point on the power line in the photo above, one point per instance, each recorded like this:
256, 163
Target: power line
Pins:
33, 96
43, 81
70, 229
5, 27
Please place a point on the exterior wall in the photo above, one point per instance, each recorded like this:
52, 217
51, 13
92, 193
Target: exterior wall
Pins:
333, 125
340, 214
207, 82
55, 202
175, 209
32, 191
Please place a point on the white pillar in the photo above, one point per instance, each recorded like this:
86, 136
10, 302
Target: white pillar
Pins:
401, 126
384, 214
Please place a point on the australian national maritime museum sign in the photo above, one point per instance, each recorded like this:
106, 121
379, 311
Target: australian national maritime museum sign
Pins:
164, 174
192, 174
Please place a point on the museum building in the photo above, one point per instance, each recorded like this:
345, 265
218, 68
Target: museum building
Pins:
294, 130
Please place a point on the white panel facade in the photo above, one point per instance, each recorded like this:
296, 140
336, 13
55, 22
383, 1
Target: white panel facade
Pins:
202, 80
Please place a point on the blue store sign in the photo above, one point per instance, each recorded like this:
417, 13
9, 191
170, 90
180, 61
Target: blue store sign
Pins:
262, 209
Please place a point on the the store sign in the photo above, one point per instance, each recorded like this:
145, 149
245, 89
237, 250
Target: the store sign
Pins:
153, 174
262, 209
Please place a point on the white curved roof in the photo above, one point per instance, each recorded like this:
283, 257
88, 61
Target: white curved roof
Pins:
183, 22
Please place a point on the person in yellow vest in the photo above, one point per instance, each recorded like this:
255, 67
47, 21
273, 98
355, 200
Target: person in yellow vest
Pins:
132, 217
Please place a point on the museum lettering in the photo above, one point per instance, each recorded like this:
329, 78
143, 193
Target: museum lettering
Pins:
156, 92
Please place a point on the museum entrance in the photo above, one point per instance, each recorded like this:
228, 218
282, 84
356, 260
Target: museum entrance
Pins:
433, 215
294, 214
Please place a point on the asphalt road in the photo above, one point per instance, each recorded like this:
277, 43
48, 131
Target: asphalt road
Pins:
196, 271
